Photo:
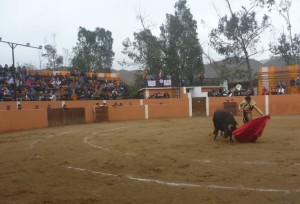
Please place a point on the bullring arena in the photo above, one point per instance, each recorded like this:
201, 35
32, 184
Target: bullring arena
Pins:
169, 160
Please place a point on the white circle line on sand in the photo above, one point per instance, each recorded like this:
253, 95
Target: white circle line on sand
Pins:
86, 139
179, 184
107, 149
258, 163
167, 183
33, 143
49, 136
134, 154
127, 126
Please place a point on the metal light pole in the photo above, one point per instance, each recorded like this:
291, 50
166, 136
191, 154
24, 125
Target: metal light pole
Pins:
13, 70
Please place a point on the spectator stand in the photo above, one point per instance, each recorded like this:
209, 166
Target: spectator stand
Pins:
45, 85
279, 80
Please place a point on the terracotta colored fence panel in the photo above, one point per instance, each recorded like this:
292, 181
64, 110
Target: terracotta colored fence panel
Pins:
60, 116
101, 114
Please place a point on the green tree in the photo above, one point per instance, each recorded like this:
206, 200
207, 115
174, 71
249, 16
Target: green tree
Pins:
145, 51
180, 44
176, 51
237, 35
288, 44
54, 60
288, 48
93, 51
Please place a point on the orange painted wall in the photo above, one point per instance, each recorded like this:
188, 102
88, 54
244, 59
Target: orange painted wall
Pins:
284, 104
41, 104
29, 118
288, 104
24, 119
13, 105
158, 101
178, 108
216, 103
133, 112
260, 101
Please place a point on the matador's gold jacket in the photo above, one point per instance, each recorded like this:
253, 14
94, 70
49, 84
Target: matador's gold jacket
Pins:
249, 106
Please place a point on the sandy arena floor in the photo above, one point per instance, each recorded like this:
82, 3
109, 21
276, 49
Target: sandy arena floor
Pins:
168, 161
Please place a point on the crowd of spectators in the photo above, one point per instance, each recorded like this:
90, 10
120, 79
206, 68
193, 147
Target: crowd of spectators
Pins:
27, 85
279, 89
222, 92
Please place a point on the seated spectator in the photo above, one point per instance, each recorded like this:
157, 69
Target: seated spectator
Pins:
166, 95
265, 91
209, 93
273, 91
52, 96
280, 90
281, 87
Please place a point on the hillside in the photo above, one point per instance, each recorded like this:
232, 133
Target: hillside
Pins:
128, 76
275, 61
210, 72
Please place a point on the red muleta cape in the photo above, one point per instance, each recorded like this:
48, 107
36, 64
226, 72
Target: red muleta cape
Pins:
250, 131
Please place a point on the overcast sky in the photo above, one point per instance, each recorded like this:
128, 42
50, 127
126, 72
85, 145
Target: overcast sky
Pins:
35, 21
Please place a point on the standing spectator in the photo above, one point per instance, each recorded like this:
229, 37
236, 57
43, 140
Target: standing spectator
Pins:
292, 82
281, 87
265, 91
1, 71
95, 107
19, 106
297, 81
5, 69
201, 78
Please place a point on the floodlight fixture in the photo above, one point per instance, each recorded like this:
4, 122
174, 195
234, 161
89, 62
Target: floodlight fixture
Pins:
13, 45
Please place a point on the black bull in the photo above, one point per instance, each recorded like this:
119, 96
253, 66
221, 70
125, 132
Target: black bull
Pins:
225, 122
